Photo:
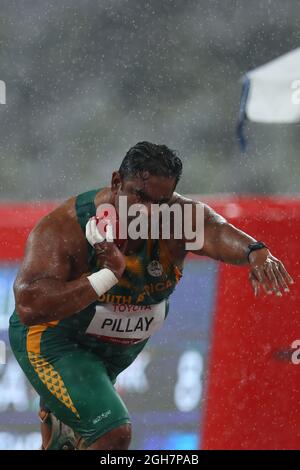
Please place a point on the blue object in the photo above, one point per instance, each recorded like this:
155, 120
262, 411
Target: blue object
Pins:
242, 114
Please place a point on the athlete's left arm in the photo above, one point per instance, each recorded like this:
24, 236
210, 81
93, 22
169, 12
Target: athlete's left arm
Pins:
225, 242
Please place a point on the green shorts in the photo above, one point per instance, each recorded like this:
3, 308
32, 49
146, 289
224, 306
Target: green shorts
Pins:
73, 381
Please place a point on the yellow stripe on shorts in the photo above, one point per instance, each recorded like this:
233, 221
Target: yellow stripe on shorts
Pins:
46, 372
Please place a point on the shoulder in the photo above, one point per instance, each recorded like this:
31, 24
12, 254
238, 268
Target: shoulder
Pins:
60, 227
182, 200
209, 212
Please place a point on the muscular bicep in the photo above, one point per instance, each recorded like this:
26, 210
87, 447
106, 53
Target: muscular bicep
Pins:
46, 256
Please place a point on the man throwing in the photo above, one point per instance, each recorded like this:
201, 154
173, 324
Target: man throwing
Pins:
87, 302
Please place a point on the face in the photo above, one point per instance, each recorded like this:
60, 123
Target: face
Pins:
146, 189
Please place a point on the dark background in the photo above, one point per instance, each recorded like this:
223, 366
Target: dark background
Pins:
88, 79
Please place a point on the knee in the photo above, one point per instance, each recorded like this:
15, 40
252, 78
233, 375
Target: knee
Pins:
121, 437
117, 439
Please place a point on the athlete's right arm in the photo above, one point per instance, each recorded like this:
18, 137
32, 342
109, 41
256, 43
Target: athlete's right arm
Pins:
43, 289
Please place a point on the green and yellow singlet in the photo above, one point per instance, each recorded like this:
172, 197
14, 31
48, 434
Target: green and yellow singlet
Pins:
118, 325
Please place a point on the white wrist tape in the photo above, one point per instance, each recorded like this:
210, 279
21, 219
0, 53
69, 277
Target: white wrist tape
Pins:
102, 280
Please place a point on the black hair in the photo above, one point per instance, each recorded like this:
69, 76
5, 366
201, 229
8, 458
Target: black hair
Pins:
152, 158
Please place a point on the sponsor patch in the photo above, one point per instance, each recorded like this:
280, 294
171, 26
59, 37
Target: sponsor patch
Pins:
122, 323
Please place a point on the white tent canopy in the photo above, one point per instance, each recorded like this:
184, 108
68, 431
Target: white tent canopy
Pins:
274, 93
271, 93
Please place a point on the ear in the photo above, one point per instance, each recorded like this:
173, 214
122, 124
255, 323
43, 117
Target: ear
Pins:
116, 182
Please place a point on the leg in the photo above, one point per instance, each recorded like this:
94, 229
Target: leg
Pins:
75, 384
55, 434
117, 439
45, 428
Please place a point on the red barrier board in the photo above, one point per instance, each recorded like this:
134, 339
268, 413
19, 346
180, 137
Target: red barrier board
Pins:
16, 222
252, 397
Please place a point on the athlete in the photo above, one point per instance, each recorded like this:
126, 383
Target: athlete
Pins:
86, 304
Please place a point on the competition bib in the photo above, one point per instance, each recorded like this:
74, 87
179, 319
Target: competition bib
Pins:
126, 324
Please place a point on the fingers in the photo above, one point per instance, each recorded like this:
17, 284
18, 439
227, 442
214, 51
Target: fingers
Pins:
280, 278
92, 233
262, 278
278, 275
284, 273
98, 238
109, 232
272, 276
255, 284
269, 268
